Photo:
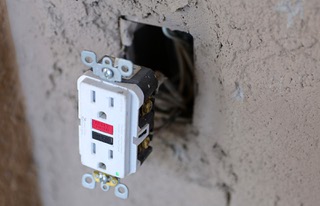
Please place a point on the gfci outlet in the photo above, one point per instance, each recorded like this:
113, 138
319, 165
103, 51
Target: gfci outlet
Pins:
116, 115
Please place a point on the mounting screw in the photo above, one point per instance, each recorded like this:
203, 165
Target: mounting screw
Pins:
107, 73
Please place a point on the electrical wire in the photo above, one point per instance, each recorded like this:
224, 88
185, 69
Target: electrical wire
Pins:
173, 100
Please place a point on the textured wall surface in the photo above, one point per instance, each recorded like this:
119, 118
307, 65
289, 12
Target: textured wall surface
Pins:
255, 137
18, 181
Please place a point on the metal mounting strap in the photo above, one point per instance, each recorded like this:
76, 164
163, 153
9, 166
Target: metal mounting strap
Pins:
107, 69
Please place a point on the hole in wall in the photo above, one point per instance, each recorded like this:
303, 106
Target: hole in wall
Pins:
171, 53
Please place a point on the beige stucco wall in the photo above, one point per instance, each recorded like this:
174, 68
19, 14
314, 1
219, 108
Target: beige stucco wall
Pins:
255, 137
18, 178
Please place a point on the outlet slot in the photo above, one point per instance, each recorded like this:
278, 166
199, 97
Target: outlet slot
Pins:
93, 96
110, 154
111, 102
102, 115
101, 165
93, 148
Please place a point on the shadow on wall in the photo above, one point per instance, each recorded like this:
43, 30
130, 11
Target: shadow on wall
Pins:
18, 185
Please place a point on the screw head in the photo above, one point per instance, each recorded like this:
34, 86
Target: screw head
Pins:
107, 73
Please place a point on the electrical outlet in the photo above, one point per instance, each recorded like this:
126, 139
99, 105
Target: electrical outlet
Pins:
108, 129
116, 119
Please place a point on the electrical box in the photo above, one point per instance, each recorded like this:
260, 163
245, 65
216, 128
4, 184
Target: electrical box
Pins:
116, 112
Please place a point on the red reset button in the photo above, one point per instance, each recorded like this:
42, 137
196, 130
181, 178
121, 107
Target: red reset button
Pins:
103, 127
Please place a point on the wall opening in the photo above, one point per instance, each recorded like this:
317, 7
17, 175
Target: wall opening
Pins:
171, 53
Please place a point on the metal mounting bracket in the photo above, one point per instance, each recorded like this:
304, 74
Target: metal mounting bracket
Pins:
110, 69
89, 182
